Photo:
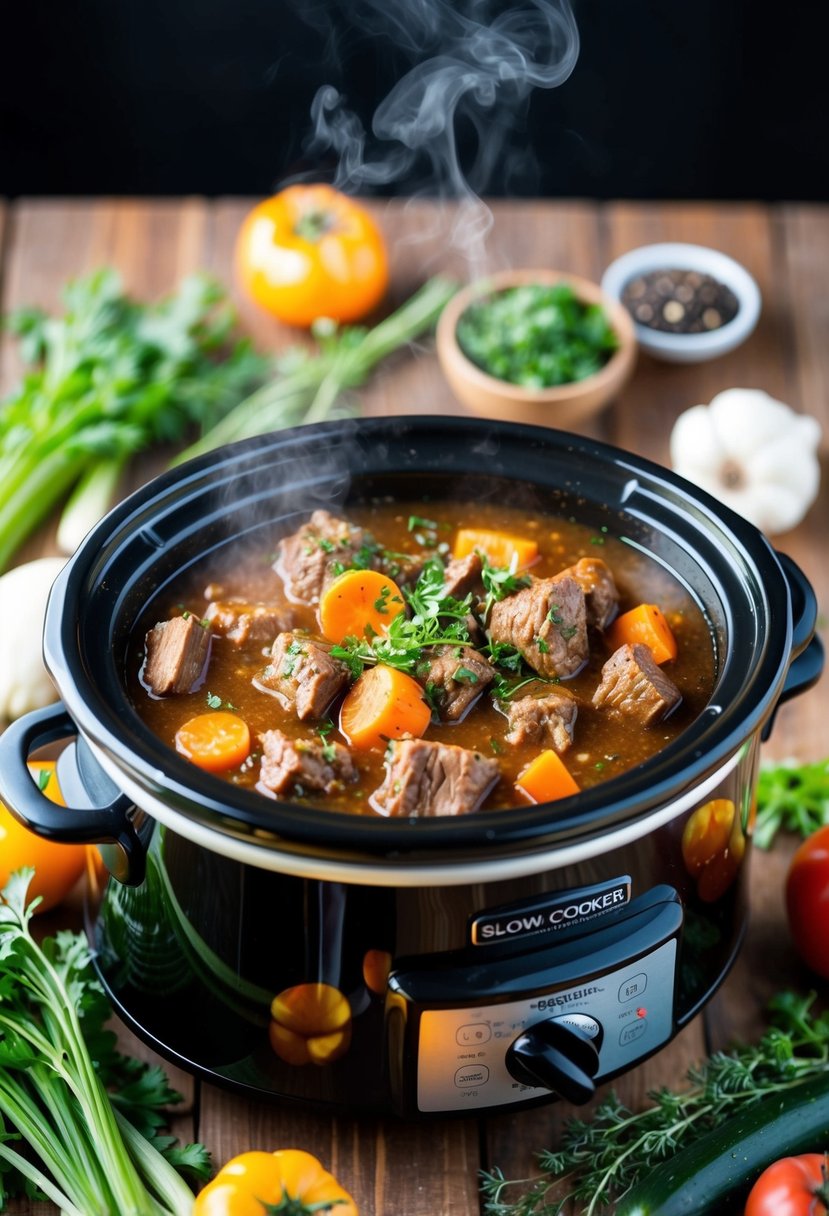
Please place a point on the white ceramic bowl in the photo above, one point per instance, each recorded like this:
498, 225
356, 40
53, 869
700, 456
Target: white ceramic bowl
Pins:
674, 255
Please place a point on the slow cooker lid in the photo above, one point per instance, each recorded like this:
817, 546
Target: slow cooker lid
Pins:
186, 513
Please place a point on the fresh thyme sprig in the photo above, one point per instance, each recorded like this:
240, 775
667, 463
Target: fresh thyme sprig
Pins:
791, 796
603, 1157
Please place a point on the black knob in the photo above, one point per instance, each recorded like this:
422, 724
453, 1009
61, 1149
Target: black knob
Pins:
557, 1055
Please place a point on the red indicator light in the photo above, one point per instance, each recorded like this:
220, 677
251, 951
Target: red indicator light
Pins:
641, 1012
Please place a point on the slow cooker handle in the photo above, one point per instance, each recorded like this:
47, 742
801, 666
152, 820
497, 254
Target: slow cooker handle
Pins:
807, 649
112, 827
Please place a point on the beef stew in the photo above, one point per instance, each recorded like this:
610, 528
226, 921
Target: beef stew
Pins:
487, 637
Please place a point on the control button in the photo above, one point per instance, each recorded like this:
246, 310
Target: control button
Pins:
468, 1078
582, 1022
473, 1034
633, 987
632, 1032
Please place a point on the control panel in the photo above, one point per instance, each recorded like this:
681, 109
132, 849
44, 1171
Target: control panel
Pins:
463, 1051
558, 1020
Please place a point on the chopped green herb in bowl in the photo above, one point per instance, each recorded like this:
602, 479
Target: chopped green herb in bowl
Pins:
535, 346
537, 335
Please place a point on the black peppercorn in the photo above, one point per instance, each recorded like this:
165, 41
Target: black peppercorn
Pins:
680, 301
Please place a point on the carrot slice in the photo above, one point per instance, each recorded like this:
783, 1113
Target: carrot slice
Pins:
214, 742
644, 624
547, 778
383, 704
499, 548
360, 604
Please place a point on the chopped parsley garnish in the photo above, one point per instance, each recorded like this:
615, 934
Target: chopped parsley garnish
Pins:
417, 521
511, 671
496, 746
536, 335
44, 776
464, 675
500, 581
436, 619
542, 646
554, 614
329, 750
291, 659
215, 702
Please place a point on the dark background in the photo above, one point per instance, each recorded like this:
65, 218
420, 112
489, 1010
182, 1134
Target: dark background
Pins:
669, 98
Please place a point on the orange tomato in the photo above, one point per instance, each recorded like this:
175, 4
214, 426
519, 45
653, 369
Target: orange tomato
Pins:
311, 252
57, 866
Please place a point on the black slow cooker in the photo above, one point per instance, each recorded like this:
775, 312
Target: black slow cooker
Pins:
421, 966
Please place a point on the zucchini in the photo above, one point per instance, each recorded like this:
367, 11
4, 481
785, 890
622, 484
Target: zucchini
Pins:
723, 1164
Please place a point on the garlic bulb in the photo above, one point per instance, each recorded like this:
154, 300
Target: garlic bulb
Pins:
752, 453
24, 681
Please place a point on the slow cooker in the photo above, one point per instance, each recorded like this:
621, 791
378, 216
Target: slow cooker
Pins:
444, 965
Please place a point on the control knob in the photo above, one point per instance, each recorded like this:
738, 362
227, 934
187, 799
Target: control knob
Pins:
561, 1054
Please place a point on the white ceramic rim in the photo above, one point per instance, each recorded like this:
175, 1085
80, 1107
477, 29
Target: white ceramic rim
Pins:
380, 874
676, 254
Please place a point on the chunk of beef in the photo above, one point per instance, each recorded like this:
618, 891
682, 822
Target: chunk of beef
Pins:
308, 763
635, 687
454, 677
545, 721
306, 558
240, 621
177, 652
462, 575
547, 622
427, 779
302, 676
599, 586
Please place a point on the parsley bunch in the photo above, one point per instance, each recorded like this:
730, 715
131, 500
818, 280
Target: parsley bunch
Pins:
791, 796
602, 1157
88, 1150
104, 380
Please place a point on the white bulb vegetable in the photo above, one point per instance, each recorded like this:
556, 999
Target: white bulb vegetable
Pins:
753, 453
24, 681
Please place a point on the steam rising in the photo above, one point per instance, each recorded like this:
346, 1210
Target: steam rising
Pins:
466, 66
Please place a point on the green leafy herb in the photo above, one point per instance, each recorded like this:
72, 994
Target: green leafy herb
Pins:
463, 675
417, 521
602, 1156
436, 619
329, 751
537, 336
214, 701
791, 796
511, 671
86, 1151
103, 381
44, 776
499, 582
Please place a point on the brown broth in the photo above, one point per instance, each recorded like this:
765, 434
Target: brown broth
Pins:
602, 748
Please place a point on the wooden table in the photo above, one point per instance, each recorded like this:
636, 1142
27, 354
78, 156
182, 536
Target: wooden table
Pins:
430, 1169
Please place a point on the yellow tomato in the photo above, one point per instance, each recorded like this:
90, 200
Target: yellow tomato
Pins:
57, 866
257, 1183
312, 252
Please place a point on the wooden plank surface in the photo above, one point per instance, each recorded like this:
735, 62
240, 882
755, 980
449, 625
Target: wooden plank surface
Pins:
424, 1169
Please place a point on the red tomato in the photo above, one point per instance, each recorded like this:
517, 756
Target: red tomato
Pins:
312, 252
57, 866
793, 1186
807, 901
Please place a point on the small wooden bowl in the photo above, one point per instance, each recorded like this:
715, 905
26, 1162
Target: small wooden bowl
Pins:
562, 406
